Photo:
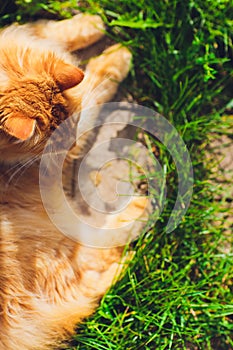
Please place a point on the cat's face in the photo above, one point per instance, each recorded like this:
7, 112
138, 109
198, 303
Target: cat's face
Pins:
33, 102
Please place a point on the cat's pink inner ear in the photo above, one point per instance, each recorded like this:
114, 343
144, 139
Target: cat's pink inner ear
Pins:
67, 75
20, 126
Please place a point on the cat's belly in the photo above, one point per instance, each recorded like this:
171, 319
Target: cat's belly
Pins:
30, 239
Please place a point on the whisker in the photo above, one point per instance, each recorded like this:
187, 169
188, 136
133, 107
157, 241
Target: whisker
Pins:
20, 169
94, 92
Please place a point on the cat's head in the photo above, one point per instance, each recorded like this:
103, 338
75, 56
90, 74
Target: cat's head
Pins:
33, 100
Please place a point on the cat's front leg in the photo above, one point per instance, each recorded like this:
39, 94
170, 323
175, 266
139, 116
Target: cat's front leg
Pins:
72, 34
103, 75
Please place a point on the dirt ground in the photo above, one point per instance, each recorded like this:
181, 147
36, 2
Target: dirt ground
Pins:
222, 149
105, 176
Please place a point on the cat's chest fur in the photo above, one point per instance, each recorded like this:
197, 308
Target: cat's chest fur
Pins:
27, 236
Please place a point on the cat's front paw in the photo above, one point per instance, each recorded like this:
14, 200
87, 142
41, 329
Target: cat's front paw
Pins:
113, 63
88, 28
128, 224
135, 210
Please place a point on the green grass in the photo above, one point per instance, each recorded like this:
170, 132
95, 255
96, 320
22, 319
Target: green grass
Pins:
177, 293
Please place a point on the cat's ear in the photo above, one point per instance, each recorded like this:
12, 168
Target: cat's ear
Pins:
19, 126
67, 75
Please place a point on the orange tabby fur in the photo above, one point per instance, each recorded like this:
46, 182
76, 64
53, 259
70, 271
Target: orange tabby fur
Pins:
48, 283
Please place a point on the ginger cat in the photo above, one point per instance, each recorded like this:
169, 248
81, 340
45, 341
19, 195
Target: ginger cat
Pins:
48, 282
